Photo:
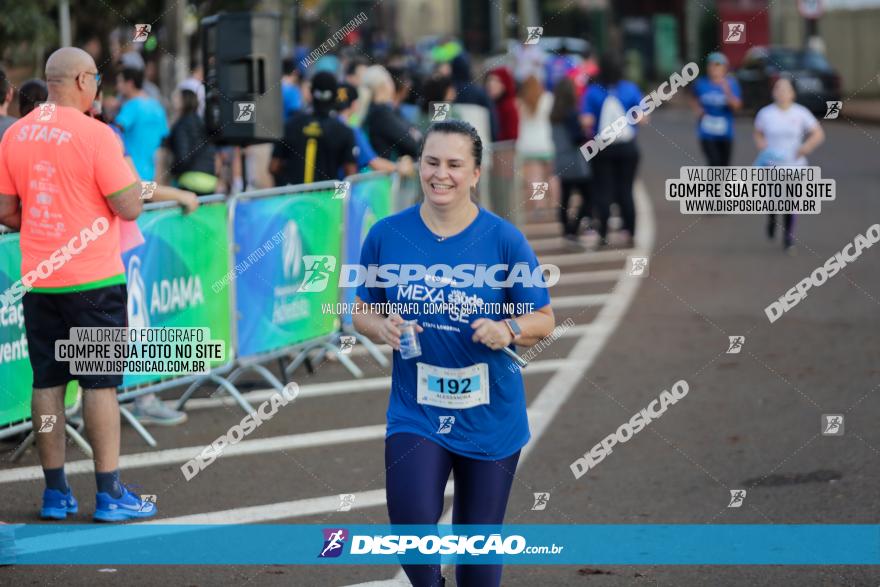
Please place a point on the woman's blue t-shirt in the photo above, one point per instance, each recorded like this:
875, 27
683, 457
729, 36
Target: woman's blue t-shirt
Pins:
488, 431
717, 120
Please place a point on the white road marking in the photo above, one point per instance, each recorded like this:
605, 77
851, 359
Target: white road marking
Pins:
583, 301
557, 391
580, 277
539, 229
587, 257
548, 243
287, 509
181, 455
261, 445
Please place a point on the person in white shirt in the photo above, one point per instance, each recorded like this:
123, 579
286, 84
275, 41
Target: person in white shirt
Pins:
534, 143
790, 132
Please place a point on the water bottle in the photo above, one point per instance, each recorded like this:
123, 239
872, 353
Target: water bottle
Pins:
409, 340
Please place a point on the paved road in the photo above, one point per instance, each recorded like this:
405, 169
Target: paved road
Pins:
751, 420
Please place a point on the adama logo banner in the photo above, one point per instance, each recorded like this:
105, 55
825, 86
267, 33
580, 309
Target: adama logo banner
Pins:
169, 276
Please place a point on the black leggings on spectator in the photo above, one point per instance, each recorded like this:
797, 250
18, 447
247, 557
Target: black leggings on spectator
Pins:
584, 209
717, 151
615, 171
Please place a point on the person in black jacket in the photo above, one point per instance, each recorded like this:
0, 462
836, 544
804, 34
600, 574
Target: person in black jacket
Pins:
317, 146
571, 166
193, 167
391, 135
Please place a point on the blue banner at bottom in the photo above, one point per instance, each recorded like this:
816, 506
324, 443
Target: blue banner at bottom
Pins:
167, 544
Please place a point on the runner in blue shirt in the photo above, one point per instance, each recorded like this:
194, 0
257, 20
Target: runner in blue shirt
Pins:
716, 97
142, 121
459, 406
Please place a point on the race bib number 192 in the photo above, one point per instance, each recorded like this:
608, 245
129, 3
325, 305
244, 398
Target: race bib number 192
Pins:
453, 388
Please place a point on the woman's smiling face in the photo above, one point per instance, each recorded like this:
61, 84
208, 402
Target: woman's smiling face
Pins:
447, 169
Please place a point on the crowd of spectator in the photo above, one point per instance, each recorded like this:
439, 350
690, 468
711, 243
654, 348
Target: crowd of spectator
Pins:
347, 112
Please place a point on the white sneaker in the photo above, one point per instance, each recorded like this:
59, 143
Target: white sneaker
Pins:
150, 410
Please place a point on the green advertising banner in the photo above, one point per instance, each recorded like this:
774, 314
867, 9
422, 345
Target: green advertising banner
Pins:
666, 56
16, 377
179, 277
288, 253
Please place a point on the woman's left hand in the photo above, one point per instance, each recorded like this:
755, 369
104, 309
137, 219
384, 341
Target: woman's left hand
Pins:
495, 335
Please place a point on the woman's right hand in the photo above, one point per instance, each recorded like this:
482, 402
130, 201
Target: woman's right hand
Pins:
389, 330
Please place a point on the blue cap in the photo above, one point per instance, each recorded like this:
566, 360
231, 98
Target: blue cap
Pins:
716, 57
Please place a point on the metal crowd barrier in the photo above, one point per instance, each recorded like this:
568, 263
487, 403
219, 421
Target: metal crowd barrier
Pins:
504, 184
325, 343
217, 374
358, 206
299, 351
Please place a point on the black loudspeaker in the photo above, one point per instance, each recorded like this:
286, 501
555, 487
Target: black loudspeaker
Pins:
241, 53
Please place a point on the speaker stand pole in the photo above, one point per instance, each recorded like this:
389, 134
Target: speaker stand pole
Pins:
244, 177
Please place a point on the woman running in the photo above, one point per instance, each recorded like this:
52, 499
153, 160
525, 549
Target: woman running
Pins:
787, 132
460, 406
717, 96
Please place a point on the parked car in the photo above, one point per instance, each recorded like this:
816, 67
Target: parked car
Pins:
559, 45
815, 80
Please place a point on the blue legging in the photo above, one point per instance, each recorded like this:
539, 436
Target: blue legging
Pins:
416, 472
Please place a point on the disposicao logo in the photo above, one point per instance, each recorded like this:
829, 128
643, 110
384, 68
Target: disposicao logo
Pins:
334, 542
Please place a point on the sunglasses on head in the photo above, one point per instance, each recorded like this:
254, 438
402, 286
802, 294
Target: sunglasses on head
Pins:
96, 74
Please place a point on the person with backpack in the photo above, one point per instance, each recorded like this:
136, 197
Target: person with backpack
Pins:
615, 166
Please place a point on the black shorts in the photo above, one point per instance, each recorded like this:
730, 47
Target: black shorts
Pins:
49, 317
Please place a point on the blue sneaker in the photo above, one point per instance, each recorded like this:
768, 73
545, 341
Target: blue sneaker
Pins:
125, 507
57, 505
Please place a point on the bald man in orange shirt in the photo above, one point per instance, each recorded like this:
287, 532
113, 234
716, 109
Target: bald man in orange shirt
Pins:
65, 184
